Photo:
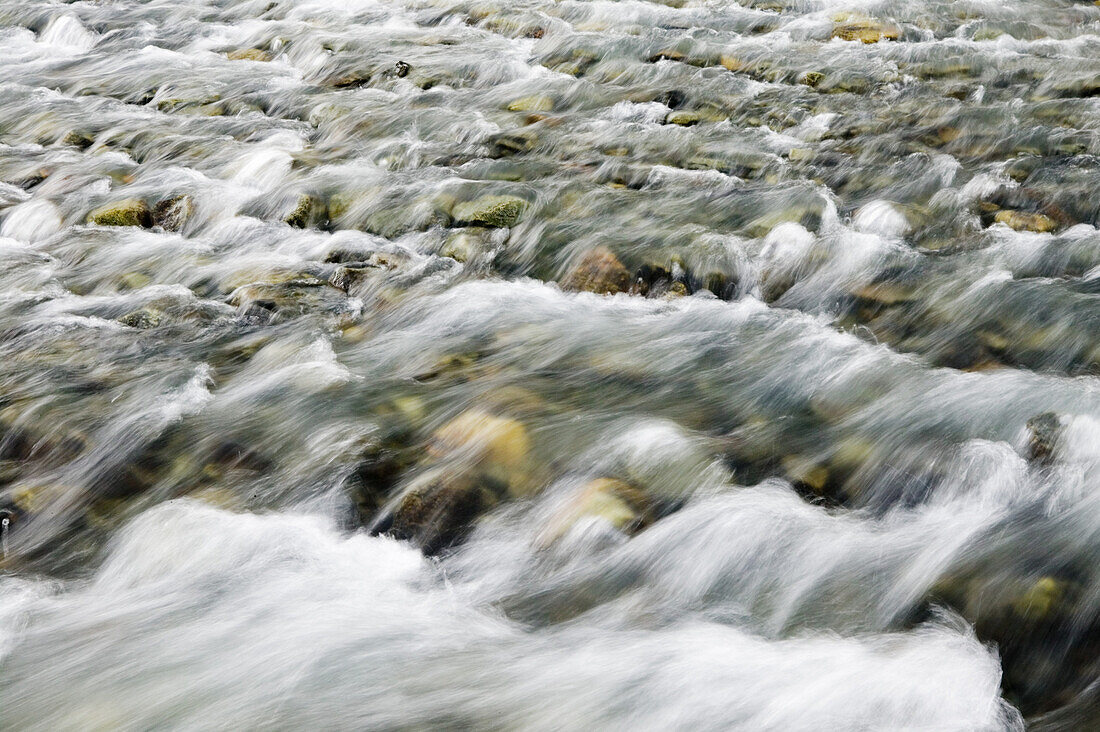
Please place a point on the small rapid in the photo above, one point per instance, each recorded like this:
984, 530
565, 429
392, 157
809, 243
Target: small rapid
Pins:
347, 632
514, 364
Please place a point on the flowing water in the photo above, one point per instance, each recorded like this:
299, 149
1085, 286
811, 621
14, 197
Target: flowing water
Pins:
532, 364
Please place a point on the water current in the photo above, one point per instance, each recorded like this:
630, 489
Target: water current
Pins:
549, 365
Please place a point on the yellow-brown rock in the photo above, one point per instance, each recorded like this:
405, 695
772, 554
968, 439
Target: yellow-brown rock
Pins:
498, 446
617, 503
866, 30
1023, 221
599, 271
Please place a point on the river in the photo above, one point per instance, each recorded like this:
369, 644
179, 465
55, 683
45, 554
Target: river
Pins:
549, 365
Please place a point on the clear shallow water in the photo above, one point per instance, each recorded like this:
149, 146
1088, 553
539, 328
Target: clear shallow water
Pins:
549, 365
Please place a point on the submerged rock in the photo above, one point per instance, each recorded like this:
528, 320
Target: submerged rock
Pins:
172, 213
248, 54
806, 475
1044, 434
496, 445
78, 138
491, 211
307, 213
129, 212
598, 271
143, 318
438, 510
611, 501
513, 143
865, 30
1033, 620
1025, 221
472, 463
534, 103
1040, 600
811, 78
464, 244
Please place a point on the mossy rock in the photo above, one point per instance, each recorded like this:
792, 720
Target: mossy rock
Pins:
308, 212
36, 498
811, 78
675, 290
807, 214
1041, 600
465, 244
473, 462
268, 275
327, 112
340, 203
886, 293
1024, 221
143, 318
507, 144
683, 118
491, 211
866, 30
806, 474
79, 139
292, 298
134, 281
130, 212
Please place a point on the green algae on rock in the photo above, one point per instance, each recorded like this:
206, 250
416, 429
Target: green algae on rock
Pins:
308, 212
128, 212
492, 211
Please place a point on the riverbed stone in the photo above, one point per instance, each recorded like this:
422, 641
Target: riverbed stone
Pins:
498, 445
128, 212
615, 502
865, 30
1025, 221
142, 318
171, 214
490, 211
309, 211
532, 103
598, 271
438, 510
683, 118
1044, 434
248, 54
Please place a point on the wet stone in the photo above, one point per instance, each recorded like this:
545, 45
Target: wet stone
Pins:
598, 271
1024, 221
535, 103
614, 502
1044, 434
308, 212
248, 54
437, 513
129, 212
171, 214
683, 118
142, 319
490, 211
865, 30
